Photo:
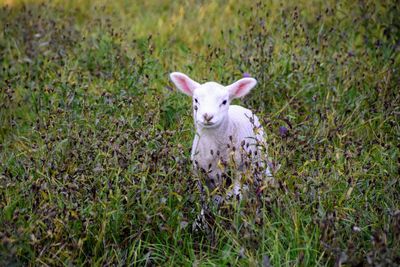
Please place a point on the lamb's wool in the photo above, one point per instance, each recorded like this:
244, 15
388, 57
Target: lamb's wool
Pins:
225, 134
235, 139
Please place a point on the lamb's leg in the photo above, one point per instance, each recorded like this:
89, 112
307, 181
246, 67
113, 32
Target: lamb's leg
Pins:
269, 177
268, 172
200, 223
235, 190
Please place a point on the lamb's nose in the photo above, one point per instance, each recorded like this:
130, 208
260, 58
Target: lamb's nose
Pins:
207, 117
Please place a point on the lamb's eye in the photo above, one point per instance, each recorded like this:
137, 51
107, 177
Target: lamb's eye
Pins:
195, 100
224, 102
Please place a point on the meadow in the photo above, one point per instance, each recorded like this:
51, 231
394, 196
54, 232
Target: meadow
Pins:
95, 141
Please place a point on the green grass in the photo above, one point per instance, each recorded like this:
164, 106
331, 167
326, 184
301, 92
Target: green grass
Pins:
94, 144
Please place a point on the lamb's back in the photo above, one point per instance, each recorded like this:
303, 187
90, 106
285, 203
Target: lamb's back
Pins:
246, 124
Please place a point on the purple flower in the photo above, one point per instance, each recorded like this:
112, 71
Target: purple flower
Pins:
283, 131
246, 75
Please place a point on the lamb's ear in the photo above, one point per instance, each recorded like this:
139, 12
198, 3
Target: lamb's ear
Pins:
184, 83
241, 87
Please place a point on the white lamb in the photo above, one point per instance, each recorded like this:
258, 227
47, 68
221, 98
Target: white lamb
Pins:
225, 134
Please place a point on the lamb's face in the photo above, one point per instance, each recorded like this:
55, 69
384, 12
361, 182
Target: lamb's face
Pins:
211, 100
210, 104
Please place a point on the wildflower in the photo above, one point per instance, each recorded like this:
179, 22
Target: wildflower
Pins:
246, 75
283, 131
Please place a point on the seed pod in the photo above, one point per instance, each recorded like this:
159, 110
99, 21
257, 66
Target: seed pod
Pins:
243, 143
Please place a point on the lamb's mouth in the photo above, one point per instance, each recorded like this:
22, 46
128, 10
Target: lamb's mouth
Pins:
208, 124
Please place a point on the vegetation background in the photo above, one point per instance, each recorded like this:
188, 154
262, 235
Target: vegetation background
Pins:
95, 143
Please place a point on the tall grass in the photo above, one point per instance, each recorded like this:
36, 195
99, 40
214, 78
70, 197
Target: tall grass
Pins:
95, 143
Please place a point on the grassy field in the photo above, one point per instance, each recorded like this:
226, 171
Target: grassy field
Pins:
95, 142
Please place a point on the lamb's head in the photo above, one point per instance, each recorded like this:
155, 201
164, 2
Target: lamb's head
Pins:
211, 100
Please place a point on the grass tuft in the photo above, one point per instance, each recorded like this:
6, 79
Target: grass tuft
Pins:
95, 143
